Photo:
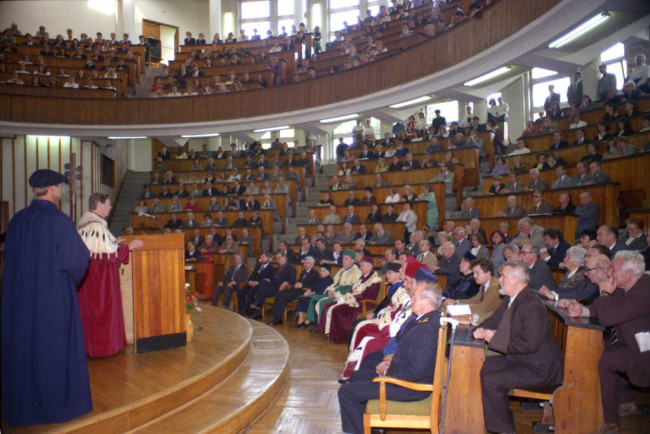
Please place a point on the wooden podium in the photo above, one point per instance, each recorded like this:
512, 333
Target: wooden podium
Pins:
158, 293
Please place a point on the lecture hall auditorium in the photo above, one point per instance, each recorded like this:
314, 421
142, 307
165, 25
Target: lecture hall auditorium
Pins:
313, 180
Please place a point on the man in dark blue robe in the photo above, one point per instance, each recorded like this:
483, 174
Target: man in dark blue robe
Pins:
44, 371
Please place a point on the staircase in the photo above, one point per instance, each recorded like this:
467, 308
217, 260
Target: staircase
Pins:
143, 90
126, 201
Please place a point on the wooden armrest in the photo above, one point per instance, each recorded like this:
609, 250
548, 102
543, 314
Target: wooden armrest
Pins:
421, 387
396, 381
363, 304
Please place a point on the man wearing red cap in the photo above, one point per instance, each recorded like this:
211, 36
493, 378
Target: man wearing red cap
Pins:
337, 316
44, 370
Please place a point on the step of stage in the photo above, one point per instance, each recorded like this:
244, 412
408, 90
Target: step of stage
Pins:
130, 390
240, 399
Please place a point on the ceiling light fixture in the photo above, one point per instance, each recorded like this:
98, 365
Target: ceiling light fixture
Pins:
128, 138
488, 76
580, 30
410, 102
191, 136
339, 119
263, 130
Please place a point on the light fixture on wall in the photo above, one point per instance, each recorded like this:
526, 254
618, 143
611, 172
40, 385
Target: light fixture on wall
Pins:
411, 102
339, 119
488, 76
580, 30
194, 136
128, 137
264, 130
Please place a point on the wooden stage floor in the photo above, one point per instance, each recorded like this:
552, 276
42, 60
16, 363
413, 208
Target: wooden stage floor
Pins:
129, 389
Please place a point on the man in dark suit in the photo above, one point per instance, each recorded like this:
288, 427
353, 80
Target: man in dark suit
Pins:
574, 91
351, 217
520, 329
558, 143
607, 235
538, 272
364, 234
556, 247
449, 264
469, 212
410, 163
438, 121
237, 273
551, 98
321, 251
246, 295
209, 190
461, 243
290, 254
626, 309
414, 360
197, 239
357, 168
237, 189
284, 276
307, 279
365, 153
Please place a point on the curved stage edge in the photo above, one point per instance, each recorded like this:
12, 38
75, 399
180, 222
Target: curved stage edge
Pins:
146, 391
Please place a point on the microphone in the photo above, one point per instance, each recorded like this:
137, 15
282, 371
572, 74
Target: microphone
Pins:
147, 215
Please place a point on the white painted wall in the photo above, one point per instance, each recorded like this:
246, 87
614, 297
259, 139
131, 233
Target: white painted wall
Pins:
167, 43
140, 151
189, 15
22, 155
57, 16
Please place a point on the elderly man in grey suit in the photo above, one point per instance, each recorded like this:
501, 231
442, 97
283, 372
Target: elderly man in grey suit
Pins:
513, 209
445, 176
563, 180
597, 174
536, 182
332, 218
469, 212
587, 213
461, 243
348, 235
583, 177
381, 235
529, 231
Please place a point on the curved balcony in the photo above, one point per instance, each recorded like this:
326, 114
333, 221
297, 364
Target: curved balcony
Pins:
505, 30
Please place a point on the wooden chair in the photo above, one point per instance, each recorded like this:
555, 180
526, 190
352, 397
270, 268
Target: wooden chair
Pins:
424, 414
366, 304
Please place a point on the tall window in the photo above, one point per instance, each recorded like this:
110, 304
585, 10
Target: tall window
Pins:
614, 59
448, 110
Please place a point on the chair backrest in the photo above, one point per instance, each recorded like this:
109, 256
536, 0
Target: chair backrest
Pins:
439, 379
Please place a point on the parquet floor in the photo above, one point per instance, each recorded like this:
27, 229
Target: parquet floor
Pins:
308, 403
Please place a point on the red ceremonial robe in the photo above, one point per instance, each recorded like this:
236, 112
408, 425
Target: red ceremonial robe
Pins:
100, 304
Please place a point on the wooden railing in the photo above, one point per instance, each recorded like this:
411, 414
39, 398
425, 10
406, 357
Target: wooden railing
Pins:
497, 22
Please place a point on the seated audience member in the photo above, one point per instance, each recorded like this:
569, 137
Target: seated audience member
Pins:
607, 236
478, 250
497, 186
374, 216
390, 216
351, 217
587, 213
520, 319
487, 299
539, 273
626, 309
445, 176
513, 208
174, 222
323, 282
337, 316
283, 277
381, 236
449, 264
500, 168
236, 274
634, 237
469, 212
208, 246
461, 243
465, 287
351, 199
191, 253
157, 206
598, 176
498, 240
246, 295
332, 218
528, 230
536, 182
583, 177
425, 255
522, 147
229, 245
514, 185
307, 279
556, 247
343, 282
413, 360
566, 206
539, 206
579, 283
563, 180
325, 200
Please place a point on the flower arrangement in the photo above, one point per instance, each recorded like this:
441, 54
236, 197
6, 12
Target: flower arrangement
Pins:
191, 300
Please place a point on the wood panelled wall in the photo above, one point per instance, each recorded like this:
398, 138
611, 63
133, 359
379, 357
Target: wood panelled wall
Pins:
22, 155
499, 21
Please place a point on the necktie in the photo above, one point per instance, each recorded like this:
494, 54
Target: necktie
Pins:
483, 288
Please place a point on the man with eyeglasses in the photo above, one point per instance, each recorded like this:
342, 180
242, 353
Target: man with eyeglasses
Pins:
626, 309
540, 275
